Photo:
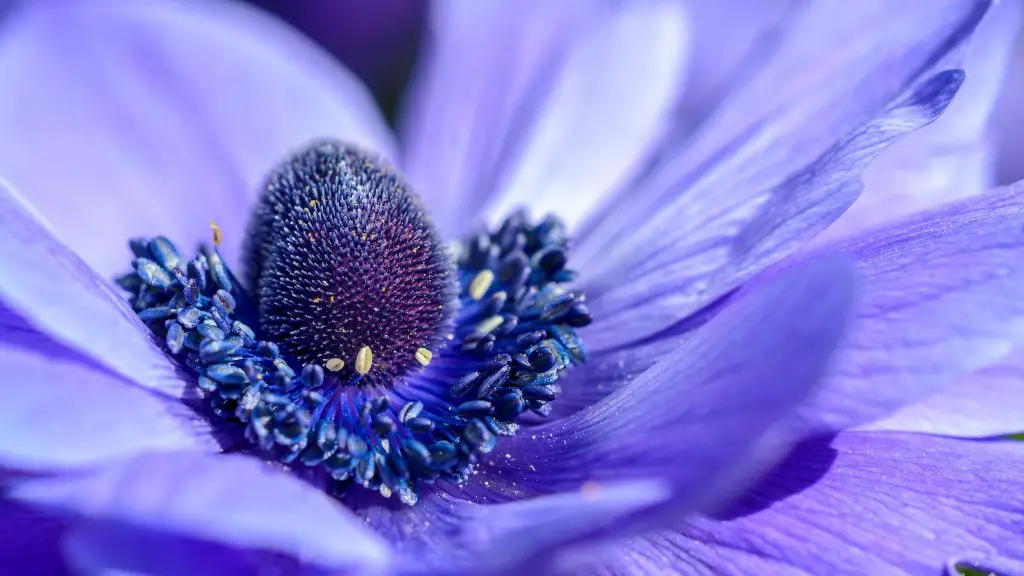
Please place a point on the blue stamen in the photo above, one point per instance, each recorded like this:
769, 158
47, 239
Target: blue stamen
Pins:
512, 336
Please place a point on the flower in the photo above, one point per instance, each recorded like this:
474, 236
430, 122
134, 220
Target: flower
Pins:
705, 365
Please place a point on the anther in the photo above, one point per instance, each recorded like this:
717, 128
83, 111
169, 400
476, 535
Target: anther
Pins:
489, 324
480, 284
335, 364
217, 235
364, 360
424, 356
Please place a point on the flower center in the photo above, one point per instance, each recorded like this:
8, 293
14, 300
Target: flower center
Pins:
343, 259
376, 361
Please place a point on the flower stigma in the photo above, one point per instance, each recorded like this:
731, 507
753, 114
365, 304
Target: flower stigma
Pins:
360, 347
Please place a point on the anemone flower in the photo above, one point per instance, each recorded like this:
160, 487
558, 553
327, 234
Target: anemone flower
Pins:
360, 398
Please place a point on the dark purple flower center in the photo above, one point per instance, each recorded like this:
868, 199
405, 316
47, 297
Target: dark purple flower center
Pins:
353, 296
342, 258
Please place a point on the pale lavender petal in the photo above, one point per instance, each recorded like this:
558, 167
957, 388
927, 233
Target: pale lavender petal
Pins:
48, 286
59, 412
538, 106
943, 296
869, 503
952, 157
732, 39
983, 404
1009, 115
671, 232
696, 265
227, 500
712, 404
140, 118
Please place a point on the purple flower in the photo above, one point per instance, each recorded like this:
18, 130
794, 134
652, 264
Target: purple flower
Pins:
720, 339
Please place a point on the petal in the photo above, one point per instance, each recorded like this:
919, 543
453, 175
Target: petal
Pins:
1009, 115
731, 40
715, 403
711, 211
655, 293
228, 500
59, 413
871, 503
51, 290
179, 110
952, 157
943, 297
375, 40
445, 535
519, 106
31, 540
975, 406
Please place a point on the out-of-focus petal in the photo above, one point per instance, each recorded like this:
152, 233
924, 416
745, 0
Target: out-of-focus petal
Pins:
700, 417
793, 142
374, 39
49, 287
226, 500
697, 264
59, 413
732, 39
31, 540
869, 503
952, 157
548, 106
981, 405
123, 119
1009, 117
943, 296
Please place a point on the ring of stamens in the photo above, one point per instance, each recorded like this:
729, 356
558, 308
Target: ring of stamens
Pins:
514, 336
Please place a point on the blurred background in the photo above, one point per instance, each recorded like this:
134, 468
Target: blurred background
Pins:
378, 40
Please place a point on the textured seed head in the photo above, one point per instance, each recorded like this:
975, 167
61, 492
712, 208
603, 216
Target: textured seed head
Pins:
341, 256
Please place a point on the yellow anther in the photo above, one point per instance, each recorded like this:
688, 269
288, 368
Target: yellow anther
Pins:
487, 325
217, 236
423, 356
481, 282
364, 360
335, 364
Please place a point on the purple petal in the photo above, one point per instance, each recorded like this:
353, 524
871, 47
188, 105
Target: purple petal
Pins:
871, 503
92, 547
59, 413
680, 280
375, 39
943, 297
732, 39
1009, 115
49, 287
519, 106
157, 117
445, 535
226, 500
952, 157
977, 406
761, 179
711, 404
31, 541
